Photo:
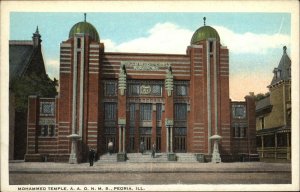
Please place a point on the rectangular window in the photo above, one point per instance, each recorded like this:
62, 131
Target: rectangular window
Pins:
134, 90
158, 111
110, 130
146, 112
47, 108
211, 46
181, 90
262, 122
78, 43
132, 112
110, 88
180, 111
110, 111
239, 130
239, 111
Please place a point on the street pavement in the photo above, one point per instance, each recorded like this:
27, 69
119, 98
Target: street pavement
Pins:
24, 173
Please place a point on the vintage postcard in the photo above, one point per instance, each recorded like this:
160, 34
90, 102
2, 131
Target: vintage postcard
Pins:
149, 95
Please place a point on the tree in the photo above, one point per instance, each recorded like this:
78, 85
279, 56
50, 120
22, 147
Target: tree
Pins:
261, 96
32, 84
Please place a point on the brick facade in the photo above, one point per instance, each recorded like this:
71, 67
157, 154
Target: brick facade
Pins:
177, 101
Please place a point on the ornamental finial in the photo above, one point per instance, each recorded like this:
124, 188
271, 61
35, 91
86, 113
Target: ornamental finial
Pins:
204, 18
284, 49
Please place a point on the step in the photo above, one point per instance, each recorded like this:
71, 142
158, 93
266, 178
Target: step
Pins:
146, 158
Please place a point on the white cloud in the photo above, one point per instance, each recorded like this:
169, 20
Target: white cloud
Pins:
251, 42
52, 68
170, 38
163, 38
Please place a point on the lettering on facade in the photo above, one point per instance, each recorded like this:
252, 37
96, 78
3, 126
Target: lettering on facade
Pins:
145, 66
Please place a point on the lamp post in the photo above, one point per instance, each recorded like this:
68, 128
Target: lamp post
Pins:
216, 158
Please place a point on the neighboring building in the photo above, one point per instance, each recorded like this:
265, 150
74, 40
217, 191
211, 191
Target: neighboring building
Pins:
273, 114
177, 101
27, 75
243, 126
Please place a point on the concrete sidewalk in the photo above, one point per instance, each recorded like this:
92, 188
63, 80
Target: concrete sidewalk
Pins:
172, 167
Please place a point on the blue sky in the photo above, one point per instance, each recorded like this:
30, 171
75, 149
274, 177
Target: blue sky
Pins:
255, 40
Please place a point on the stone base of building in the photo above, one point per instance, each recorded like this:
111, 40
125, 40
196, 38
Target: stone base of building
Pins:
172, 157
121, 157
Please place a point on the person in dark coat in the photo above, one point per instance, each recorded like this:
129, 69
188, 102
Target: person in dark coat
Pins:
153, 150
142, 147
91, 156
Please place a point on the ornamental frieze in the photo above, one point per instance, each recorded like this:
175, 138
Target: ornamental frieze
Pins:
145, 65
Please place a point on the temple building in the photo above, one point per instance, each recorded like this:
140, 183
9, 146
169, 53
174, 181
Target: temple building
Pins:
273, 114
176, 101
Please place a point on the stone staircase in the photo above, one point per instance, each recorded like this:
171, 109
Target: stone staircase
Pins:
107, 158
146, 158
186, 158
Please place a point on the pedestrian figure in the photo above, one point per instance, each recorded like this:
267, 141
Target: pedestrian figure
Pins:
153, 150
110, 147
91, 156
142, 147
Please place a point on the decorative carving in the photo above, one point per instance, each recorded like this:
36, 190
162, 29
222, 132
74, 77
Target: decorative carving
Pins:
122, 80
47, 108
121, 121
169, 122
46, 121
169, 82
145, 66
145, 89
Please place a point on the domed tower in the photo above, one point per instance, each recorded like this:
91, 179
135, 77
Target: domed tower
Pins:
79, 91
209, 90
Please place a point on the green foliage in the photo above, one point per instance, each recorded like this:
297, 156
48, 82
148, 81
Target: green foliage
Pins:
261, 96
32, 84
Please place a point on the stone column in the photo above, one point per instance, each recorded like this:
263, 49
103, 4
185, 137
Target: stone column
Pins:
262, 146
124, 138
171, 139
275, 154
288, 146
167, 139
120, 138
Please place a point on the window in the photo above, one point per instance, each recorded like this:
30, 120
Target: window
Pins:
78, 43
262, 122
181, 90
180, 111
239, 130
210, 46
110, 111
132, 112
146, 112
278, 74
180, 131
47, 130
47, 108
158, 111
110, 88
134, 90
239, 111
110, 130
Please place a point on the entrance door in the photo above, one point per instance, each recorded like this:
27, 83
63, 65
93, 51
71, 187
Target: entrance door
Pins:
110, 138
180, 140
145, 136
147, 142
180, 144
